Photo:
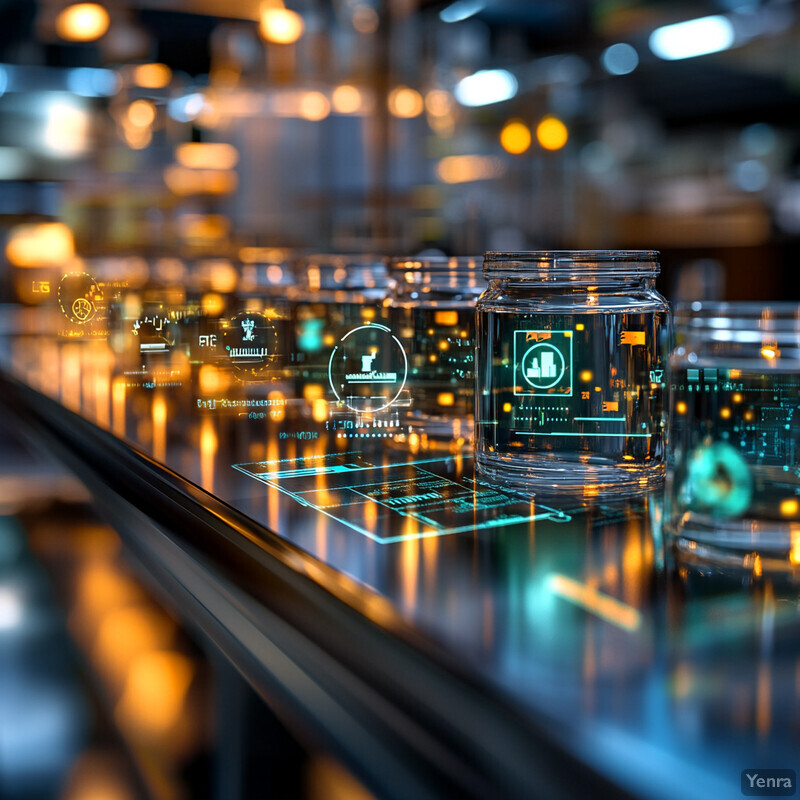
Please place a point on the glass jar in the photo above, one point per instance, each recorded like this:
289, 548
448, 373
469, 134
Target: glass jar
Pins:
267, 281
734, 478
433, 311
335, 296
569, 371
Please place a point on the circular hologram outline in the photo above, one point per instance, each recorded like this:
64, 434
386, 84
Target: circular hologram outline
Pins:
405, 368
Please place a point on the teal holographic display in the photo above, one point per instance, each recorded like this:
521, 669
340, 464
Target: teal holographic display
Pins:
392, 503
543, 363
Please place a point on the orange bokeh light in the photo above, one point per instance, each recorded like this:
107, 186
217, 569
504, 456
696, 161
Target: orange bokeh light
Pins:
280, 25
552, 133
82, 22
405, 102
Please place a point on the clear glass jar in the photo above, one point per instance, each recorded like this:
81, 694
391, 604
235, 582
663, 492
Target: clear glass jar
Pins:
734, 479
335, 295
570, 371
433, 311
267, 281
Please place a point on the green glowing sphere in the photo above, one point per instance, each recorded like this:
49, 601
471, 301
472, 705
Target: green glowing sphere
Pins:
717, 482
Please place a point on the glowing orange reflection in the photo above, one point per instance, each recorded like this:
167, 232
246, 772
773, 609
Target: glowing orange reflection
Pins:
405, 102
99, 587
280, 25
141, 114
82, 22
763, 700
152, 76
552, 133
125, 633
409, 565
515, 137
273, 495
589, 598
184, 181
207, 155
208, 452
118, 406
632, 564
155, 692
71, 377
40, 244
159, 428
464, 169
346, 99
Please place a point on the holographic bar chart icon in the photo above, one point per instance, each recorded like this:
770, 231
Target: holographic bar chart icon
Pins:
547, 368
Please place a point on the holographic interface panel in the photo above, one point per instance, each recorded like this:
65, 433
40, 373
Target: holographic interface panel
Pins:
396, 502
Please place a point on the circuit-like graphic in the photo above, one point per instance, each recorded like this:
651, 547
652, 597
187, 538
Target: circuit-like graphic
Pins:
396, 502
543, 363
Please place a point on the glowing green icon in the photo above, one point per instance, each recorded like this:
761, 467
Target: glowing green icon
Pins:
543, 363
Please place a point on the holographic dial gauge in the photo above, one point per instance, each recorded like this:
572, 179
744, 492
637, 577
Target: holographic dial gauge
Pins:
368, 368
251, 343
79, 297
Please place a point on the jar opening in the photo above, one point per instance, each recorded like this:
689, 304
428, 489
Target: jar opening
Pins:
738, 322
435, 264
331, 272
571, 265
441, 271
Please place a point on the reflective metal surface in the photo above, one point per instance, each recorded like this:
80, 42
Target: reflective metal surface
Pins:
668, 679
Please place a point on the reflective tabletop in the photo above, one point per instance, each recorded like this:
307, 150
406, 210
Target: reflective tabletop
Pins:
669, 678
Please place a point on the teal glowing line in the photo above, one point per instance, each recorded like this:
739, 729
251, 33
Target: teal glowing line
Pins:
324, 470
353, 486
469, 489
600, 419
570, 433
551, 514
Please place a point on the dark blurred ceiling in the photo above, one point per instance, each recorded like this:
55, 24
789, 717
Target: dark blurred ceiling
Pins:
758, 81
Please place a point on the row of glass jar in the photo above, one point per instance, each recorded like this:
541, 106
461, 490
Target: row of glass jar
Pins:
581, 388
285, 324
557, 357
575, 371
566, 354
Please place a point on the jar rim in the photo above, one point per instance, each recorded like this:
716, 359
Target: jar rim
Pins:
721, 314
444, 264
572, 264
738, 322
343, 271
581, 256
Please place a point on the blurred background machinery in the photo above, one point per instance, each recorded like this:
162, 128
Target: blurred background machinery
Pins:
182, 126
